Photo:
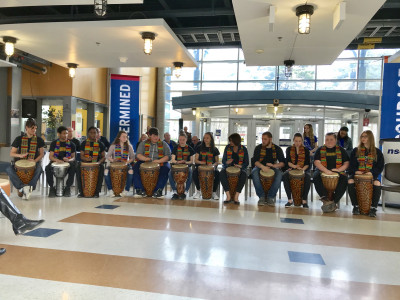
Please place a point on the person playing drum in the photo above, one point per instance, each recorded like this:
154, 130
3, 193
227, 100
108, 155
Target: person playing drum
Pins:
330, 159
235, 155
206, 154
30, 147
61, 150
92, 151
152, 150
267, 156
297, 158
120, 151
181, 154
366, 159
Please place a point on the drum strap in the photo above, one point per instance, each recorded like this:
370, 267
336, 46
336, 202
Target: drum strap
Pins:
95, 149
66, 149
365, 162
160, 148
301, 156
263, 153
182, 153
229, 153
117, 153
32, 146
338, 153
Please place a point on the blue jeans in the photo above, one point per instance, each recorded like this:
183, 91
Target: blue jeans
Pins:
162, 178
188, 180
129, 179
255, 174
18, 183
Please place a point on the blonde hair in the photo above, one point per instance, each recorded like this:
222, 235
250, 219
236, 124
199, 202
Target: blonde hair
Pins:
310, 135
371, 140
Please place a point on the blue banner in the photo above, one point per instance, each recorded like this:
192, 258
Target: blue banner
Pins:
124, 106
390, 108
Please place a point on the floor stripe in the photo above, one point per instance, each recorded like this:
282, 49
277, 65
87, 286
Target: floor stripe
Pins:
252, 207
180, 279
337, 239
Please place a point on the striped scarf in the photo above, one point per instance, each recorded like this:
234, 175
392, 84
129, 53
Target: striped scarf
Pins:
338, 153
95, 150
32, 147
182, 153
365, 163
301, 158
207, 157
229, 153
117, 153
263, 153
66, 149
160, 148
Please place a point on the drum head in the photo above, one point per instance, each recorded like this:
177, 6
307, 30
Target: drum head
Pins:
118, 165
206, 168
149, 165
60, 165
269, 173
296, 173
364, 176
24, 163
233, 170
180, 166
334, 175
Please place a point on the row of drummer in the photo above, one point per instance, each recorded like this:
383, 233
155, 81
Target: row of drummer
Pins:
268, 162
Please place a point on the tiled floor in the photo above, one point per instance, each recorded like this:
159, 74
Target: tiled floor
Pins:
129, 248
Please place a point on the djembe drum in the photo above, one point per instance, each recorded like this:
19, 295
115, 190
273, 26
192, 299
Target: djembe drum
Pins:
296, 179
330, 183
89, 177
232, 173
149, 172
180, 173
364, 189
118, 174
25, 170
267, 179
60, 169
206, 178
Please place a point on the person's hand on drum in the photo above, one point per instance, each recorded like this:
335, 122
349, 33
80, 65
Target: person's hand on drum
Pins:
329, 172
202, 162
368, 173
65, 159
181, 162
265, 168
270, 165
359, 172
111, 159
229, 161
238, 166
23, 155
31, 159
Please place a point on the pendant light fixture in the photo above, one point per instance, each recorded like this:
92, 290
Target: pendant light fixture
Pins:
148, 38
100, 7
304, 12
9, 47
72, 69
177, 68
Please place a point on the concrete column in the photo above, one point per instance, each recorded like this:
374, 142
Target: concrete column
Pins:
16, 103
91, 119
160, 111
69, 111
4, 113
274, 129
39, 117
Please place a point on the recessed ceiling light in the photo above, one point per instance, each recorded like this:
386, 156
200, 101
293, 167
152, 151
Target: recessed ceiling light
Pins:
123, 59
259, 51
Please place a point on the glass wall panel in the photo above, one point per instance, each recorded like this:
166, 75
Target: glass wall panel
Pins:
257, 86
187, 74
183, 86
299, 72
336, 85
349, 54
220, 141
220, 54
296, 85
256, 73
340, 69
219, 86
52, 118
373, 85
369, 68
377, 52
220, 71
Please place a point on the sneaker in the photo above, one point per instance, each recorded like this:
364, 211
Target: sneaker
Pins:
52, 192
96, 195
110, 193
157, 194
80, 195
175, 196
197, 195
289, 204
67, 192
27, 190
123, 194
20, 193
372, 212
270, 202
182, 197
139, 193
261, 202
215, 196
305, 205
356, 210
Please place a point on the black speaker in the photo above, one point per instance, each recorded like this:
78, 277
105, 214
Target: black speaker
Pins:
180, 125
29, 108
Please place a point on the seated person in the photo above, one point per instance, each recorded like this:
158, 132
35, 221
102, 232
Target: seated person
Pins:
330, 159
92, 151
297, 158
61, 150
30, 147
267, 156
120, 151
181, 154
206, 154
152, 150
366, 159
74, 140
235, 155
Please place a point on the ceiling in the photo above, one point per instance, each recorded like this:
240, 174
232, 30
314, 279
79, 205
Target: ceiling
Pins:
205, 23
15, 3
